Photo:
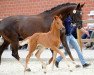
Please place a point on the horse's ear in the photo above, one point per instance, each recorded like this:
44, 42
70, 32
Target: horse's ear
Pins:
82, 5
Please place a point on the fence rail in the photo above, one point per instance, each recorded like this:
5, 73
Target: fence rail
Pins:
87, 40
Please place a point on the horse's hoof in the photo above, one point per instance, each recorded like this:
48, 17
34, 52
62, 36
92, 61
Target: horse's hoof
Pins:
16, 56
28, 69
77, 66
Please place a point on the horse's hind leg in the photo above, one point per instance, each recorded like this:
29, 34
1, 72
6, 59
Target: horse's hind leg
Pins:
3, 47
14, 46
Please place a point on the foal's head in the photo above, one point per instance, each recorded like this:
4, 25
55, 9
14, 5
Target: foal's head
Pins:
57, 23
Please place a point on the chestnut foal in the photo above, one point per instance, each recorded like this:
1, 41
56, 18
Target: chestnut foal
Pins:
50, 40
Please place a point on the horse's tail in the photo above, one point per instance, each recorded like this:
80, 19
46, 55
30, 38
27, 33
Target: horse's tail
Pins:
1, 40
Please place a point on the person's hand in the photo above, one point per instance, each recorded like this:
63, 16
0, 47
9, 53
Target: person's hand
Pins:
86, 28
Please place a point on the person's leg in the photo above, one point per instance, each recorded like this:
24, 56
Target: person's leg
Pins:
76, 46
90, 32
91, 37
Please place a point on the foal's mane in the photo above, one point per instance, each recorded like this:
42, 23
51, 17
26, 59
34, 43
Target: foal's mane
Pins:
53, 26
58, 6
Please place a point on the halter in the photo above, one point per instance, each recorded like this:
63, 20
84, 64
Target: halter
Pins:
78, 22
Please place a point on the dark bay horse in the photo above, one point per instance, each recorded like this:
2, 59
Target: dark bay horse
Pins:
18, 27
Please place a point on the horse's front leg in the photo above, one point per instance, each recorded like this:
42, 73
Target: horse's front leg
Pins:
64, 43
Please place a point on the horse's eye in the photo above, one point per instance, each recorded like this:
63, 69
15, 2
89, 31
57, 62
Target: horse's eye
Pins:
74, 11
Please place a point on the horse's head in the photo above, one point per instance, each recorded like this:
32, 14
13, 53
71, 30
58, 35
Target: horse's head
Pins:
57, 22
66, 9
76, 15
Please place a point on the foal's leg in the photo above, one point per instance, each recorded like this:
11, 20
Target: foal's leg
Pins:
38, 53
62, 54
50, 60
31, 47
54, 58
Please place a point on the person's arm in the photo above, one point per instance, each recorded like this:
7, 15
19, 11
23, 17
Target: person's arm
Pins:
91, 28
85, 31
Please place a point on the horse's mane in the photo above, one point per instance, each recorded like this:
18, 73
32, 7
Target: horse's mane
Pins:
58, 6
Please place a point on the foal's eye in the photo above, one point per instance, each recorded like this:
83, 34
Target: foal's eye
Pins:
57, 23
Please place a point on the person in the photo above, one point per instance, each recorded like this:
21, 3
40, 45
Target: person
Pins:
74, 31
90, 28
71, 40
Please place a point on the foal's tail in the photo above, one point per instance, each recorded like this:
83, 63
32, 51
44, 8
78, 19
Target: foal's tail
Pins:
23, 42
33, 37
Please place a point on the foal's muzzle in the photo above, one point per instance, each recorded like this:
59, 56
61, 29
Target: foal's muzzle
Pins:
62, 30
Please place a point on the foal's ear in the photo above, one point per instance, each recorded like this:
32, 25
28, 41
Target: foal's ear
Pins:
60, 16
56, 17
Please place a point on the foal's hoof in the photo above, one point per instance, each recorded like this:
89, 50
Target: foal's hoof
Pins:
45, 72
77, 66
71, 71
29, 70
42, 67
